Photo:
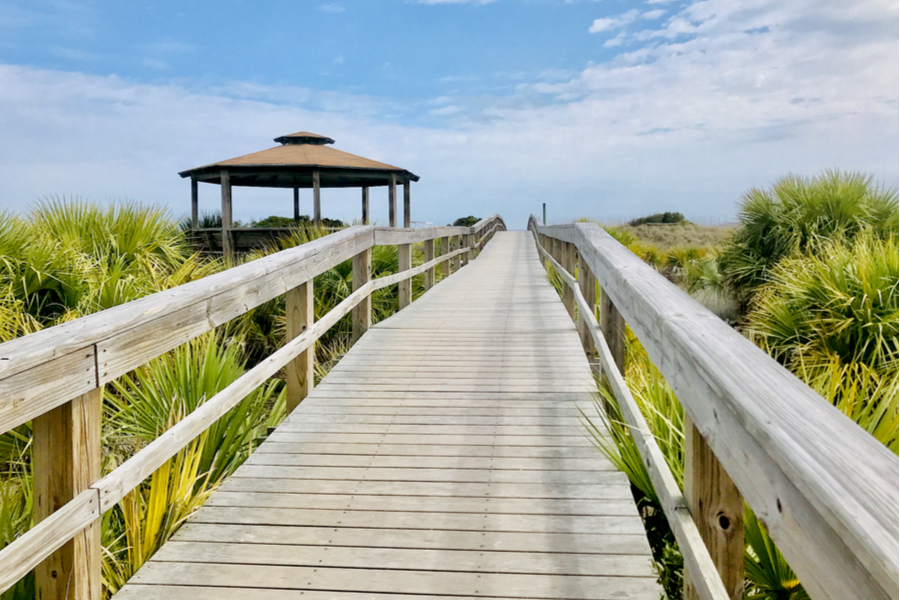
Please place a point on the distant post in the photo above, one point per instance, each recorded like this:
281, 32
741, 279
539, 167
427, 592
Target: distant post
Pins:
365, 205
225, 181
407, 219
392, 201
195, 204
545, 213
317, 198
296, 205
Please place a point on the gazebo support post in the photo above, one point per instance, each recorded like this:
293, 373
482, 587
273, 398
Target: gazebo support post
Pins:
392, 200
296, 206
365, 205
195, 204
407, 221
225, 181
317, 198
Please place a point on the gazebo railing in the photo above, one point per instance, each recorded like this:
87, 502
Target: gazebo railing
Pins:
55, 377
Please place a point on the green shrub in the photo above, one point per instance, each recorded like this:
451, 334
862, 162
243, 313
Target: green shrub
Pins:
667, 218
798, 212
839, 301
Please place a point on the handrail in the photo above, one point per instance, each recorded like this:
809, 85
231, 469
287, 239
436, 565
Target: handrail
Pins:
216, 299
826, 490
697, 559
45, 369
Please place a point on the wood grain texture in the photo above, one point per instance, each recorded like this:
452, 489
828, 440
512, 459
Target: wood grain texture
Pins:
359, 493
718, 510
299, 314
445, 249
362, 313
834, 517
404, 262
428, 250
66, 462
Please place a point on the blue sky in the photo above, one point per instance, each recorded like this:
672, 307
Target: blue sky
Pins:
606, 109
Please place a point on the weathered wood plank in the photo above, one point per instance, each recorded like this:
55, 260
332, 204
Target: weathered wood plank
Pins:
415, 582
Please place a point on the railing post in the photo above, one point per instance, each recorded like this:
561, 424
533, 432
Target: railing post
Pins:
361, 315
568, 263
404, 262
468, 241
225, 184
429, 256
299, 312
588, 285
717, 508
455, 244
66, 461
613, 326
445, 250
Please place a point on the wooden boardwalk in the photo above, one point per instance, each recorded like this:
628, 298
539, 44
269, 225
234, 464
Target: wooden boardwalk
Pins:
443, 456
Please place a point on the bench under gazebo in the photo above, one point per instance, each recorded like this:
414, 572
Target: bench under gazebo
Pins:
303, 160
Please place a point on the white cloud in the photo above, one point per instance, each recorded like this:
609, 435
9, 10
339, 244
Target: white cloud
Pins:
332, 8
653, 14
455, 1
745, 94
155, 63
607, 23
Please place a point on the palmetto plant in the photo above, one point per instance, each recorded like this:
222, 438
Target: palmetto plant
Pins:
158, 394
797, 212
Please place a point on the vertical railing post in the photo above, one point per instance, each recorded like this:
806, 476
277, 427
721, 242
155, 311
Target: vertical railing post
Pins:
299, 312
613, 326
445, 250
361, 315
568, 263
225, 184
457, 244
429, 256
392, 200
468, 240
65, 462
195, 203
587, 283
717, 508
404, 263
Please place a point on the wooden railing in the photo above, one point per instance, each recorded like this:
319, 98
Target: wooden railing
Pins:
55, 377
825, 489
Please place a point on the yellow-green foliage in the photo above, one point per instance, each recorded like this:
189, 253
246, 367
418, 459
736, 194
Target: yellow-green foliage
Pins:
798, 213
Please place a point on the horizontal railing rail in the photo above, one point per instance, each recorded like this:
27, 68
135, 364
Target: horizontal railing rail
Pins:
826, 490
77, 358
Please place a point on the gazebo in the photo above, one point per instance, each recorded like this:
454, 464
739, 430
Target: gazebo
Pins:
303, 160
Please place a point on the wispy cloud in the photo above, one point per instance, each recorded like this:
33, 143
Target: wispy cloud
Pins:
608, 23
155, 63
455, 1
332, 8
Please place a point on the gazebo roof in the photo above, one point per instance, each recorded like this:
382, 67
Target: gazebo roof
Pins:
292, 165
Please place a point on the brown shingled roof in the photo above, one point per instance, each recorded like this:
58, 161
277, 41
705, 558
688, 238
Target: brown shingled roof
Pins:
293, 162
